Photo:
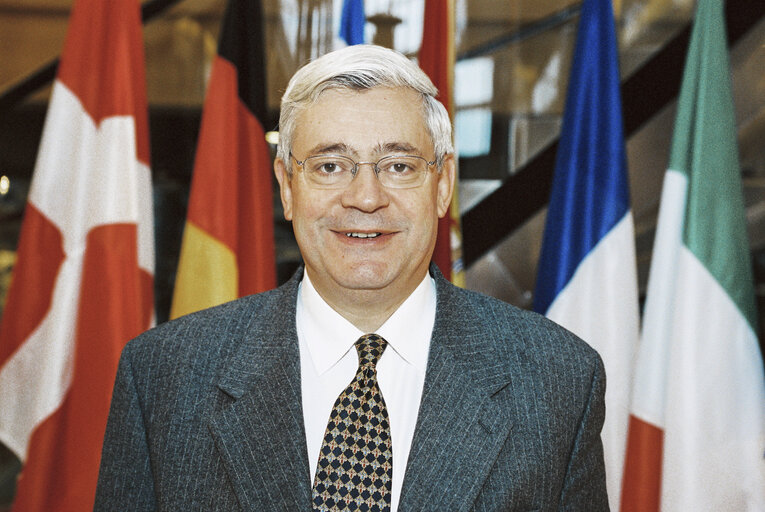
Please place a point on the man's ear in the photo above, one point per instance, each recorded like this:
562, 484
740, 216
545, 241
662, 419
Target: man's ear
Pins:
446, 180
285, 187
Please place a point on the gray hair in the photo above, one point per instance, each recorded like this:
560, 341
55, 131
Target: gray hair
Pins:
358, 68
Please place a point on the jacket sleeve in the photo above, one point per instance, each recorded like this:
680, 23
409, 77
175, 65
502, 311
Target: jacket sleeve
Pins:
125, 477
585, 484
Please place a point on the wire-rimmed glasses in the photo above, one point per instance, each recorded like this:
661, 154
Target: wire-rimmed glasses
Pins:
337, 171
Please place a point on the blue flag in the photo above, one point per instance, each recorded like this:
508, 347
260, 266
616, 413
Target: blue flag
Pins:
352, 22
586, 278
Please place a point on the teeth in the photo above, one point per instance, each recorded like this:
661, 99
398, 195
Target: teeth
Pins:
363, 235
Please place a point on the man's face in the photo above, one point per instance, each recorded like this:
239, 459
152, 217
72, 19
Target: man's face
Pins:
366, 236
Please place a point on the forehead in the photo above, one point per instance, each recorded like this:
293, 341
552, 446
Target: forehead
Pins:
363, 122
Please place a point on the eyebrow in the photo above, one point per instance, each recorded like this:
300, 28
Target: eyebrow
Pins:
380, 149
396, 147
336, 147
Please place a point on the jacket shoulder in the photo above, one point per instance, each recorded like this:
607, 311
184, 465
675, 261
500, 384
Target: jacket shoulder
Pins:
514, 330
198, 342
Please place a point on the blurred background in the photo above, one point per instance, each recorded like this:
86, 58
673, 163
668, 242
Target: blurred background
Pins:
512, 67
511, 74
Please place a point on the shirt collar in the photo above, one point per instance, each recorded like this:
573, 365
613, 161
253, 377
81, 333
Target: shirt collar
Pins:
330, 336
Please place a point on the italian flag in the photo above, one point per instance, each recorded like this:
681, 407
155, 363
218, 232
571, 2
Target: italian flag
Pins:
82, 286
227, 249
697, 430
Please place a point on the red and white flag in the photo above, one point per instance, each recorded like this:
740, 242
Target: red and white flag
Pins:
82, 286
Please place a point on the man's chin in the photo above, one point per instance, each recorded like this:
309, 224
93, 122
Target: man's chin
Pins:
360, 282
366, 275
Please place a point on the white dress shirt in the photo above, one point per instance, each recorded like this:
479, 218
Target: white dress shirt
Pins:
328, 363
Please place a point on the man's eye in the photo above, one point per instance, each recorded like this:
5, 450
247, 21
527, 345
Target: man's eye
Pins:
399, 168
329, 167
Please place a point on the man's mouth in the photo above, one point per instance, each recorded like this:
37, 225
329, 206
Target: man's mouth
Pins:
354, 234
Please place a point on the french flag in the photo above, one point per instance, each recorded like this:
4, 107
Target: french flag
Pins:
352, 22
586, 277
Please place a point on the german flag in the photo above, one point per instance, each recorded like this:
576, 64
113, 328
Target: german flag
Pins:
228, 242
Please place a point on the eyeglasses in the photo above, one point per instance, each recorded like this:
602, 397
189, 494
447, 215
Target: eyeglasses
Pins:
337, 171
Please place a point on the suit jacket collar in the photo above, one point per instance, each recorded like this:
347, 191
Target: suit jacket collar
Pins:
260, 433
460, 427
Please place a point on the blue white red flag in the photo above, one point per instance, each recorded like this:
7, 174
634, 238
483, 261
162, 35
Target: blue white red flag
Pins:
352, 22
587, 278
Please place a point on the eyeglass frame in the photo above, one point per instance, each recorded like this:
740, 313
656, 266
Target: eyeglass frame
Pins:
374, 165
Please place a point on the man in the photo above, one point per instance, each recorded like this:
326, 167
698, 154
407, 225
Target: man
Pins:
473, 404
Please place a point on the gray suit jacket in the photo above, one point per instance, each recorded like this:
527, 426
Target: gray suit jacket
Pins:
207, 414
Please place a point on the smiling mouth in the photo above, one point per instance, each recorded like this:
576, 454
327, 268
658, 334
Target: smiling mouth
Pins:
362, 235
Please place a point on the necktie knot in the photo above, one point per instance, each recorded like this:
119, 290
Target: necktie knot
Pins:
370, 347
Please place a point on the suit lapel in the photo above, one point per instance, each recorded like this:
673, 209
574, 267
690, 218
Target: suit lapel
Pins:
460, 428
260, 434
259, 431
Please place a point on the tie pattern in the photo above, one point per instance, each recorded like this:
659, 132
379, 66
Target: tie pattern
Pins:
356, 462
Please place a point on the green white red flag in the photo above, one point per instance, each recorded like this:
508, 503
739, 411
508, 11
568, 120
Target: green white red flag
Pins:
697, 430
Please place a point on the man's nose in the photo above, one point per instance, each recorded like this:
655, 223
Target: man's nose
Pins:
365, 192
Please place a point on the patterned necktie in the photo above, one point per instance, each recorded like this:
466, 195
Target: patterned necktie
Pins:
356, 462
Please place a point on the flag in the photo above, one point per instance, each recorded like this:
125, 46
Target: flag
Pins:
587, 274
697, 430
436, 58
82, 286
352, 22
227, 249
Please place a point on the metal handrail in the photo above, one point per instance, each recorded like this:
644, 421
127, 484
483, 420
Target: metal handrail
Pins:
47, 72
528, 190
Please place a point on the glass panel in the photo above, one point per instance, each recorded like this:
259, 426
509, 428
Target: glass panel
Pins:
530, 44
